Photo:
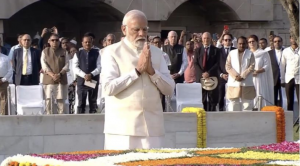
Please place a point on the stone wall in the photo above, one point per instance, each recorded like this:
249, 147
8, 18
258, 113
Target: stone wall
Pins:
279, 24
65, 133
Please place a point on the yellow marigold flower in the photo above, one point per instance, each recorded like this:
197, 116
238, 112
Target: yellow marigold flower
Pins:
262, 156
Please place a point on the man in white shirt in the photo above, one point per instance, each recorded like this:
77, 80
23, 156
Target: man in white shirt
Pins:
134, 74
263, 43
11, 52
290, 56
5, 75
90, 34
87, 66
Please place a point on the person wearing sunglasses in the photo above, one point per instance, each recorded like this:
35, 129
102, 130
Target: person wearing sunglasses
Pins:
26, 63
276, 62
55, 64
224, 51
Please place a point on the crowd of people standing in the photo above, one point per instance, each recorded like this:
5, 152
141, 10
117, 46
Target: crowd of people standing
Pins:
239, 69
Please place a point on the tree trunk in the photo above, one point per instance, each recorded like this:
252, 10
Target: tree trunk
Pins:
292, 9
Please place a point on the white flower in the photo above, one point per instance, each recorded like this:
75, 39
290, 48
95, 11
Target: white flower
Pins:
292, 163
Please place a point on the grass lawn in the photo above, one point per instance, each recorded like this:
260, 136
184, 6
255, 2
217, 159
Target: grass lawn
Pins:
296, 134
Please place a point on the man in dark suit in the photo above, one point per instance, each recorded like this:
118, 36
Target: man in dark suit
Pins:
206, 64
26, 63
276, 56
223, 75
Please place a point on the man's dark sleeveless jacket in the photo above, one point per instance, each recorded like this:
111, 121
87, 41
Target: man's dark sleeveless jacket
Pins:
87, 63
175, 54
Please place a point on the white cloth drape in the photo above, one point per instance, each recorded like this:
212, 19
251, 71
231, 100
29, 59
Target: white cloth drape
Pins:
125, 142
263, 82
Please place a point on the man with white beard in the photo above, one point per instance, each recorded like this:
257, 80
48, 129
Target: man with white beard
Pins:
133, 76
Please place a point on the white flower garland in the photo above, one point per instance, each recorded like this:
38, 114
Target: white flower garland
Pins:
107, 160
293, 163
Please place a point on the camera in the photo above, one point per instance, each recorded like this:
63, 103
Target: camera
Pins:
50, 30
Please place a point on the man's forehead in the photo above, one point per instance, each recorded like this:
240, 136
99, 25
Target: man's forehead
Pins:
26, 37
51, 38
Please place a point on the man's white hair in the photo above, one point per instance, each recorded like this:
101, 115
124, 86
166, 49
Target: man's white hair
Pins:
132, 14
112, 35
171, 33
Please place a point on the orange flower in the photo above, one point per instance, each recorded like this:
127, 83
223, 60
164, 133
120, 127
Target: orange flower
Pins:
194, 160
218, 151
280, 121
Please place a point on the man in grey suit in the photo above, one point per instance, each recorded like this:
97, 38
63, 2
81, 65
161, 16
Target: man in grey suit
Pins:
26, 63
276, 57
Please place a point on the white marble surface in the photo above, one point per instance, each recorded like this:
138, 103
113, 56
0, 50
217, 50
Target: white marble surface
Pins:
58, 133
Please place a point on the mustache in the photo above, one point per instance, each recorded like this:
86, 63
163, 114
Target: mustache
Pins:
141, 39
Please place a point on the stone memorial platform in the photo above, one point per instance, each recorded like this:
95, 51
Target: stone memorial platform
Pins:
67, 133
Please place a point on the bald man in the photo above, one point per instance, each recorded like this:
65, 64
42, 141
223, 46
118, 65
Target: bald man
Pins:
206, 64
26, 63
178, 56
134, 74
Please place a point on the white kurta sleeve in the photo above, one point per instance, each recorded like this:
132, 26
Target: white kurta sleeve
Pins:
163, 80
77, 70
112, 81
184, 62
267, 62
9, 71
98, 68
283, 67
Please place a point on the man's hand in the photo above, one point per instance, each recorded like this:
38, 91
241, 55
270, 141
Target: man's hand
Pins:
88, 77
255, 73
56, 77
225, 76
239, 78
143, 62
176, 75
282, 85
183, 33
205, 75
225, 31
150, 69
55, 31
44, 32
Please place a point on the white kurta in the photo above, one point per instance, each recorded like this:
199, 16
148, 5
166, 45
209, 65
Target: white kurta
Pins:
133, 111
263, 82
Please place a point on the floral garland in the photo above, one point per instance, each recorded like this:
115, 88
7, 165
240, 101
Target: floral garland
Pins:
274, 154
280, 121
201, 124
